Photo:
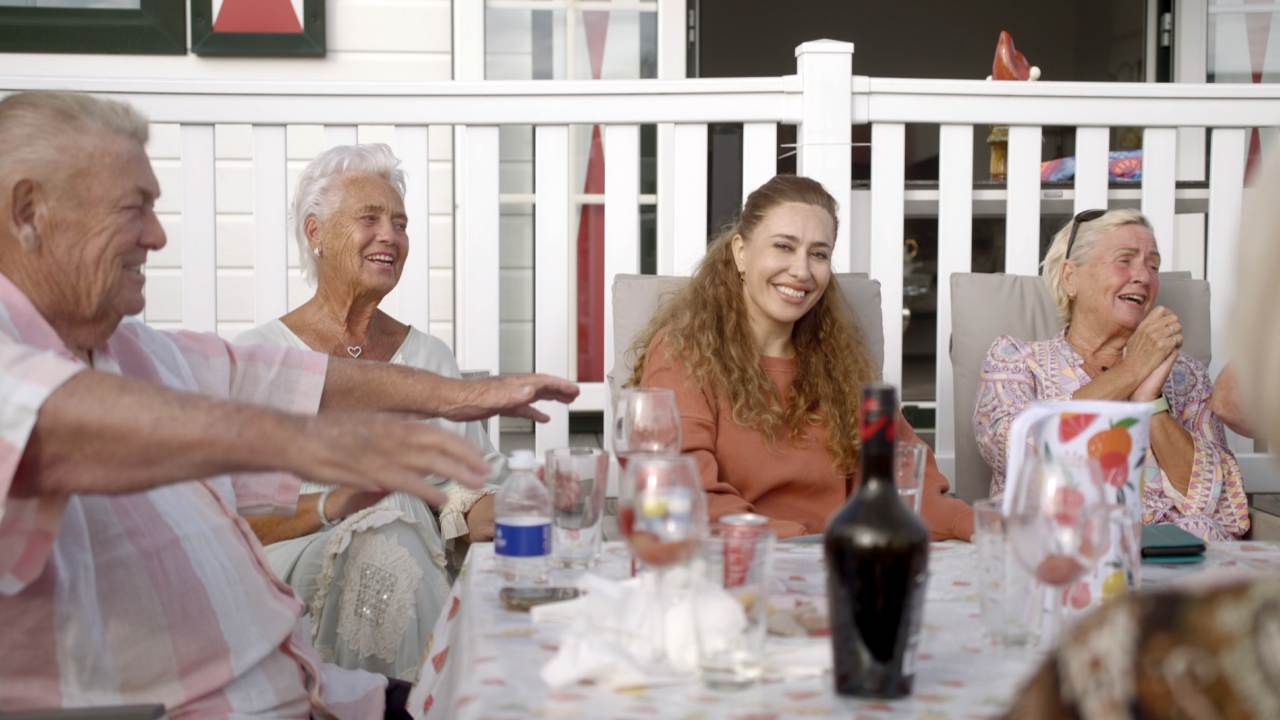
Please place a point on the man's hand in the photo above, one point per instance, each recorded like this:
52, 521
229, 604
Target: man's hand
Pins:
480, 520
510, 395
377, 454
1225, 402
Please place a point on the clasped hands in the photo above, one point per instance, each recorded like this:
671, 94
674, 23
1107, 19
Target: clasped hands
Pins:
1151, 351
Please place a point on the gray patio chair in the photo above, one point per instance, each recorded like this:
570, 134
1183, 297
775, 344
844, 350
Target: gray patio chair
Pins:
637, 297
985, 306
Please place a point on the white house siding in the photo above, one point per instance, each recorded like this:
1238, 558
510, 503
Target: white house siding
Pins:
387, 40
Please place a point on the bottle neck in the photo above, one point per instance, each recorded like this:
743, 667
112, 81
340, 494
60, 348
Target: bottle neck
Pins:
876, 461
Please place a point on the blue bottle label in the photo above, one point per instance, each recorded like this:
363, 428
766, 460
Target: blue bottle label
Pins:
522, 540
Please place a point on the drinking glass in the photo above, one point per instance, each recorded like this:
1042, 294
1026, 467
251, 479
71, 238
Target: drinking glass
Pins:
647, 421
731, 614
909, 463
576, 477
662, 513
1007, 597
1059, 524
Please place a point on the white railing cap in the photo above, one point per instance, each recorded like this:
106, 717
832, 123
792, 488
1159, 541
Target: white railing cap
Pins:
829, 47
1059, 89
441, 88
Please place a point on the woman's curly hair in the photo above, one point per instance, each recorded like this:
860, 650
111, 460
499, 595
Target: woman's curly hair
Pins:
707, 328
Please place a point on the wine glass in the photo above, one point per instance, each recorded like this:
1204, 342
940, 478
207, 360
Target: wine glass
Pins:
662, 513
647, 421
1059, 524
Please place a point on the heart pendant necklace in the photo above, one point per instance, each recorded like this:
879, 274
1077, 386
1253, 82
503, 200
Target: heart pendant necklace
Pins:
353, 350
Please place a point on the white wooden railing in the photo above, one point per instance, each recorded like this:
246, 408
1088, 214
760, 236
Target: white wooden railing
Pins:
823, 100
956, 106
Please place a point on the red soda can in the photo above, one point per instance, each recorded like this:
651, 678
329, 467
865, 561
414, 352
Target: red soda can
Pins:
741, 533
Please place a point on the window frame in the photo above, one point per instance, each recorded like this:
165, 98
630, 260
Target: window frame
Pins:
157, 27
308, 43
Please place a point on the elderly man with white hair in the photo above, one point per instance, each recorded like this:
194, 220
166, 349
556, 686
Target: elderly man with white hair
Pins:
127, 455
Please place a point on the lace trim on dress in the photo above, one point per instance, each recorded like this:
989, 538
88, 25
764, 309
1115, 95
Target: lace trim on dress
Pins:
452, 515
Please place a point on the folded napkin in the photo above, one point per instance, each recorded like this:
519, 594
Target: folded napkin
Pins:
612, 633
613, 636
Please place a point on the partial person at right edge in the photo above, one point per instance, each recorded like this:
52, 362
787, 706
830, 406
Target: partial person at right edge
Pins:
767, 364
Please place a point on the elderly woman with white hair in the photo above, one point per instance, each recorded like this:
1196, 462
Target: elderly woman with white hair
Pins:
373, 573
1118, 344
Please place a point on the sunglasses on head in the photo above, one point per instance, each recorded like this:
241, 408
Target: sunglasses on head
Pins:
1081, 217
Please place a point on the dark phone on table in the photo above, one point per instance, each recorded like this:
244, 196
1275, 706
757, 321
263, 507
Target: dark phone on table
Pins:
524, 598
1168, 540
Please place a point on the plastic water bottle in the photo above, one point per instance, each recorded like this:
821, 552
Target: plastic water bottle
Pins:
522, 512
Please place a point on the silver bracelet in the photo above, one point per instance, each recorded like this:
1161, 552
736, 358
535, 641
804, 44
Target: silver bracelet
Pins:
324, 521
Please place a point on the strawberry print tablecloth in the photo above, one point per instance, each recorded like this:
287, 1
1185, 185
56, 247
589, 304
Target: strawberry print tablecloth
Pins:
484, 661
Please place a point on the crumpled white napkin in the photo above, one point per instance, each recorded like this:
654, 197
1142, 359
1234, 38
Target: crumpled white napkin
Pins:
613, 633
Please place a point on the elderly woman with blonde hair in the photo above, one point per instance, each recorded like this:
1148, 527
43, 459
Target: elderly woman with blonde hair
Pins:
1118, 344
1203, 651
373, 571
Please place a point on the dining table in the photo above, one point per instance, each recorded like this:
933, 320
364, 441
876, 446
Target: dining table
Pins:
484, 661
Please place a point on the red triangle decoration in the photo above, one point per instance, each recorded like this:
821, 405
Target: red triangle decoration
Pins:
257, 16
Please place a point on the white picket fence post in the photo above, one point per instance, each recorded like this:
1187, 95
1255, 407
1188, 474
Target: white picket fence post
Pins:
825, 130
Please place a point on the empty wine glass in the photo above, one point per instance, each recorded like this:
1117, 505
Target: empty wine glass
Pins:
1059, 523
647, 421
662, 513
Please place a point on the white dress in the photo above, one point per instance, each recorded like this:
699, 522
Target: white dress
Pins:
375, 584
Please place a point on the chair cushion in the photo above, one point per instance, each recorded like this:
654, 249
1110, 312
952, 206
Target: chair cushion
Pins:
637, 297
988, 305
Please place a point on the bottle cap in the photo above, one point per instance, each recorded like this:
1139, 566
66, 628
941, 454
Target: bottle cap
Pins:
522, 460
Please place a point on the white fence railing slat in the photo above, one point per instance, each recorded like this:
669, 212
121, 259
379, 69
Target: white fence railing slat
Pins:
1022, 222
271, 225
1159, 172
477, 290
955, 255
621, 230
888, 156
199, 230
414, 289
1226, 192
553, 287
341, 135
822, 143
690, 236
759, 155
1092, 145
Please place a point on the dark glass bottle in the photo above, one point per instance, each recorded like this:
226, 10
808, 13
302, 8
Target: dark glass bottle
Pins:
877, 557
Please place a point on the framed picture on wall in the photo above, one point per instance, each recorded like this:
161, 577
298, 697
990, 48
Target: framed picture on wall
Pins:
138, 27
258, 28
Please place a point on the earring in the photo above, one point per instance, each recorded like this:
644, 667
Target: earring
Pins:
316, 250
27, 237
742, 276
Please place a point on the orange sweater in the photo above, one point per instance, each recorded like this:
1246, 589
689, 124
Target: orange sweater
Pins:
793, 483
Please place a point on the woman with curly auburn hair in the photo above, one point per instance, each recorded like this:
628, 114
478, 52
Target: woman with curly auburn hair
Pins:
767, 368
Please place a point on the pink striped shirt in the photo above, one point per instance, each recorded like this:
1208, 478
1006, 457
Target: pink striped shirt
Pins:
163, 596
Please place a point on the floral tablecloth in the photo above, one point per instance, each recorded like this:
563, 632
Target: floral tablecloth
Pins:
484, 661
